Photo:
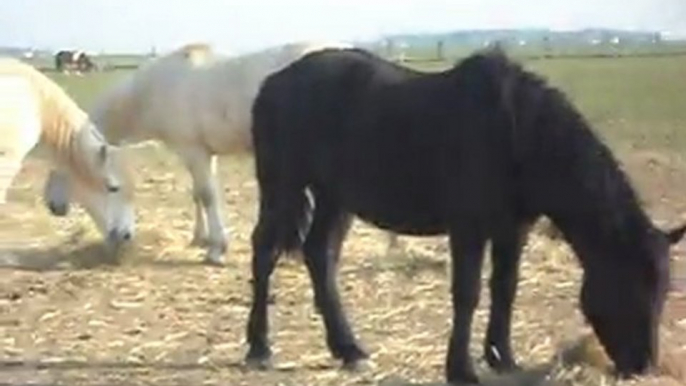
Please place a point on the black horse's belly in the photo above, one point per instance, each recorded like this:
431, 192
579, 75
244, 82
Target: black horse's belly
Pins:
393, 194
386, 163
418, 227
399, 210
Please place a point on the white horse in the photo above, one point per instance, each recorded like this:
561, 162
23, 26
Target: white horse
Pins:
36, 111
199, 104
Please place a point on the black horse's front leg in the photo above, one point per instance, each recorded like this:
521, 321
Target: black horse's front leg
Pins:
467, 249
507, 248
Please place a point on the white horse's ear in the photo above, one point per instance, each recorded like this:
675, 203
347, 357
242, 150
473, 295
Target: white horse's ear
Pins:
107, 151
103, 153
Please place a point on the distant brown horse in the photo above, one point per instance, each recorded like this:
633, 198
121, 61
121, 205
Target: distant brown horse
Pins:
78, 61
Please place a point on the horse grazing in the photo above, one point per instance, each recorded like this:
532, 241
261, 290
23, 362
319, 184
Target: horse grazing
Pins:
477, 152
198, 104
36, 111
79, 61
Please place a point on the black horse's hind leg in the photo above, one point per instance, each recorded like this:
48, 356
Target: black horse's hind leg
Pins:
321, 251
337, 238
264, 238
507, 248
467, 249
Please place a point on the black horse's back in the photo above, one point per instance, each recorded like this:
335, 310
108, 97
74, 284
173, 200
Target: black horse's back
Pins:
387, 176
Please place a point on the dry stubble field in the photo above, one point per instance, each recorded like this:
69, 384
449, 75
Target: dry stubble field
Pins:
161, 317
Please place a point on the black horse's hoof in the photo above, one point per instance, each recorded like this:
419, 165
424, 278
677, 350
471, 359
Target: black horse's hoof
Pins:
505, 367
261, 364
259, 359
354, 358
502, 365
348, 352
463, 377
356, 366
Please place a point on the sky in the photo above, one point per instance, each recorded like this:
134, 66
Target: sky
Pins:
235, 26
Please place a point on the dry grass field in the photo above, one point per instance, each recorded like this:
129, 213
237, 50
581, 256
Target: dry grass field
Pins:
160, 317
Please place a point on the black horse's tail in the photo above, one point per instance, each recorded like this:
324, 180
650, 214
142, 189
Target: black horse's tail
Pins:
285, 207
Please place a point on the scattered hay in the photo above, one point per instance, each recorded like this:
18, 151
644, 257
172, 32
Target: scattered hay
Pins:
586, 351
162, 317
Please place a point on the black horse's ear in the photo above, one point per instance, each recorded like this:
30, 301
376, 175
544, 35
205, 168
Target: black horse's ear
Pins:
674, 235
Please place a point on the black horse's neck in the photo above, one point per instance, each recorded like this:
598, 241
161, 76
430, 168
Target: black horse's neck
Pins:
590, 197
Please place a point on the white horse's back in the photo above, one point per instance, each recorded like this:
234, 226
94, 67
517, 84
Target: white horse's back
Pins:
199, 104
194, 97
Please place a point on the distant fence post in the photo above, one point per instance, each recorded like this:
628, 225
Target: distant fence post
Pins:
389, 48
547, 49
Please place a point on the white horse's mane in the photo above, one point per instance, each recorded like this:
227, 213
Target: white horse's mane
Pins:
62, 121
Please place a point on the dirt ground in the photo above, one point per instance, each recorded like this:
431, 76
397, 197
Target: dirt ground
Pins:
161, 317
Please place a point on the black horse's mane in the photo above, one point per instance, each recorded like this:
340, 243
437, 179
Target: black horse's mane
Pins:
570, 143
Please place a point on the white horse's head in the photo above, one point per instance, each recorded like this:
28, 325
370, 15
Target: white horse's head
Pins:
102, 185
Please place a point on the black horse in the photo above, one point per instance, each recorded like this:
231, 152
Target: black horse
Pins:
477, 152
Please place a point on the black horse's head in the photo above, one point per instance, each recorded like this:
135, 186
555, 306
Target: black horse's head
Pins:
623, 298
625, 257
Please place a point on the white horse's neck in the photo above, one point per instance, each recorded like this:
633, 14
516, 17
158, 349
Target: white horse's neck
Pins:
67, 132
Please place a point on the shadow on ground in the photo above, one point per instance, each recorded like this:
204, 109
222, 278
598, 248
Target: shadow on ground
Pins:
56, 258
539, 376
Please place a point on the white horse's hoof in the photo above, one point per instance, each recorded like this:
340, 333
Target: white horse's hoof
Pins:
395, 249
215, 257
199, 242
214, 262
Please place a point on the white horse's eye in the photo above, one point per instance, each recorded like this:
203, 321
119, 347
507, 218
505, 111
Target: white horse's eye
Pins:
112, 188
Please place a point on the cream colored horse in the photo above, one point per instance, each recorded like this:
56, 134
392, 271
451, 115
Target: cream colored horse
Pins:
199, 104
36, 111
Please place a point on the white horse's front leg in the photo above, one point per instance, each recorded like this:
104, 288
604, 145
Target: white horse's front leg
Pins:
8, 170
193, 163
202, 168
200, 238
11, 161
17, 141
